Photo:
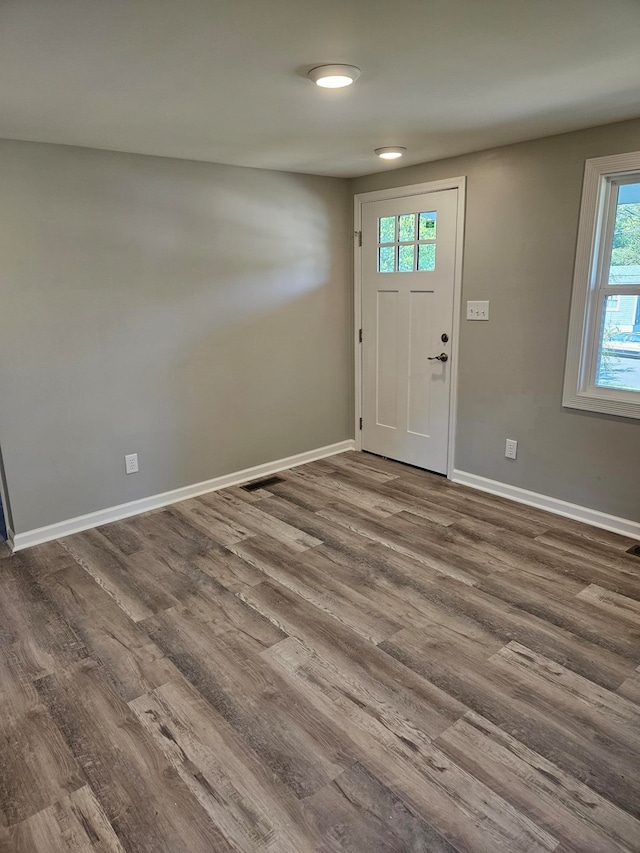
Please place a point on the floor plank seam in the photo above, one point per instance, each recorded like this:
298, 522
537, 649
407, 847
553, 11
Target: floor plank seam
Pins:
362, 656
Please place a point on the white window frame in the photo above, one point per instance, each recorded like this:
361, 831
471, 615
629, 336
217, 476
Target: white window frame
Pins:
602, 177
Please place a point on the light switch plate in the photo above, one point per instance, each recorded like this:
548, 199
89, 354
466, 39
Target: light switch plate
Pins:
477, 310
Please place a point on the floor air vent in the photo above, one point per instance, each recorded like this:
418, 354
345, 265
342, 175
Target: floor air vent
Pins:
635, 550
262, 484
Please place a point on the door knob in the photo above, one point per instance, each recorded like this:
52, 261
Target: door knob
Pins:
442, 357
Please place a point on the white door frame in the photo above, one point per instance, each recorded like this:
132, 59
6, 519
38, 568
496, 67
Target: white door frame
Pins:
4, 498
458, 183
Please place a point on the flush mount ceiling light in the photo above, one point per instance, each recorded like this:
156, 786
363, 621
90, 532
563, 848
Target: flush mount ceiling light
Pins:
391, 152
334, 76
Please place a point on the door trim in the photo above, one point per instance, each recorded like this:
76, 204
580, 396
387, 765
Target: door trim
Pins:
4, 500
359, 199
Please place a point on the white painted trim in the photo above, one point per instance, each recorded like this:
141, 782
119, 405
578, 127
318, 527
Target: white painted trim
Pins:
459, 183
357, 315
5, 503
19, 541
578, 390
412, 189
594, 517
4, 499
456, 323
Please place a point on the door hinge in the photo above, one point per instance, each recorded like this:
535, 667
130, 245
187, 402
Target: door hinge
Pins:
358, 237
360, 423
360, 336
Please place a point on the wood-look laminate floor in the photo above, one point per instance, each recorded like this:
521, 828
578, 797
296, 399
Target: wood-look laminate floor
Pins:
364, 657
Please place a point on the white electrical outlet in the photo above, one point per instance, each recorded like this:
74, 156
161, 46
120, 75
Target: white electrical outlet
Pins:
477, 310
131, 463
511, 448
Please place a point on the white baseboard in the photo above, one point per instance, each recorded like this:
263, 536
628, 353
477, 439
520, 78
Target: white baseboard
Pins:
625, 526
19, 541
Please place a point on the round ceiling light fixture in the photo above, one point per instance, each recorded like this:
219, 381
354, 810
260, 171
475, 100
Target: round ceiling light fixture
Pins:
390, 152
334, 76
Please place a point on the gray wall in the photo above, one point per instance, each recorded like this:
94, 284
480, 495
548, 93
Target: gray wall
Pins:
199, 315
522, 217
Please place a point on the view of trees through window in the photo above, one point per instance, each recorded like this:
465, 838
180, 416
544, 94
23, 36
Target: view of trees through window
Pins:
407, 243
619, 360
626, 234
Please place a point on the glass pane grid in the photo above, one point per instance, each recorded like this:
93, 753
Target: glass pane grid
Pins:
407, 242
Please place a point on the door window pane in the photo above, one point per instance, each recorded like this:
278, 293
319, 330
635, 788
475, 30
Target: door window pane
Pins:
407, 228
406, 261
387, 229
619, 356
625, 251
387, 259
427, 226
406, 243
426, 257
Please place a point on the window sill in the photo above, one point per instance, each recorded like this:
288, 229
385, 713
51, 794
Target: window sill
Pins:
604, 405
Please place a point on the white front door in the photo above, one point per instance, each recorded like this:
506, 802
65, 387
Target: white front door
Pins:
408, 273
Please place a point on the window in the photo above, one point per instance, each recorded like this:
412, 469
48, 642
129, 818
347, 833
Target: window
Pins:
407, 243
603, 354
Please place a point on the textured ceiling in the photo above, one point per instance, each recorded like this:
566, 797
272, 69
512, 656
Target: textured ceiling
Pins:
225, 81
